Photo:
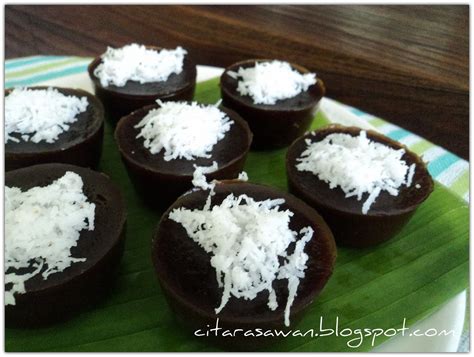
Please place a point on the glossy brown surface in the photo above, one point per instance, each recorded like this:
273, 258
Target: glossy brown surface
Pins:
121, 101
189, 281
344, 215
80, 145
406, 64
273, 126
65, 294
160, 182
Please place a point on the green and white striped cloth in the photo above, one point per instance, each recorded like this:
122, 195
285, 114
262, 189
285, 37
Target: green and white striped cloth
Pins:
445, 167
31, 70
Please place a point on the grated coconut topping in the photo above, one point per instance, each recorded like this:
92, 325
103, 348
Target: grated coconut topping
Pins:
247, 240
357, 165
269, 82
137, 63
40, 114
183, 130
199, 180
42, 224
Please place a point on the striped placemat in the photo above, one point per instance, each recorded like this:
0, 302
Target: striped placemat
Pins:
444, 166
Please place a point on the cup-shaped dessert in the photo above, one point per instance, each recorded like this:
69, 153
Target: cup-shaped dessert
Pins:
64, 239
329, 171
161, 176
165, 79
243, 233
275, 123
52, 124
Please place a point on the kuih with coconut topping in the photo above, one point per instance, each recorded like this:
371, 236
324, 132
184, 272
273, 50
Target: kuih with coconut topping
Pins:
137, 63
357, 165
45, 124
134, 76
40, 114
336, 167
269, 82
162, 145
42, 224
248, 255
272, 94
247, 240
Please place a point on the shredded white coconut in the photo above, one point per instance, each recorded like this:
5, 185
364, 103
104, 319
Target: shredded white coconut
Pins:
243, 176
357, 165
40, 114
247, 240
183, 130
269, 82
137, 63
199, 178
411, 173
42, 224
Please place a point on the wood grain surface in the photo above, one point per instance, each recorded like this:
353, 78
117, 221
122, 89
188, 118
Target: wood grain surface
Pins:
407, 64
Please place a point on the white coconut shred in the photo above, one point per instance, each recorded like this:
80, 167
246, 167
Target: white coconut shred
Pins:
40, 114
247, 240
268, 82
357, 165
42, 224
135, 62
199, 180
183, 130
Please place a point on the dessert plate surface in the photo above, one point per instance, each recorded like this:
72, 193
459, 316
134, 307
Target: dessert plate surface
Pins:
450, 316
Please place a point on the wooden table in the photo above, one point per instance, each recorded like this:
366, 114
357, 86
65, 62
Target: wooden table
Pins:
406, 64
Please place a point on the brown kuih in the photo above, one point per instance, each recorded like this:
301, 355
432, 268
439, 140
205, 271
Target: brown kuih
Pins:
64, 294
80, 145
160, 182
121, 101
273, 126
350, 226
189, 281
